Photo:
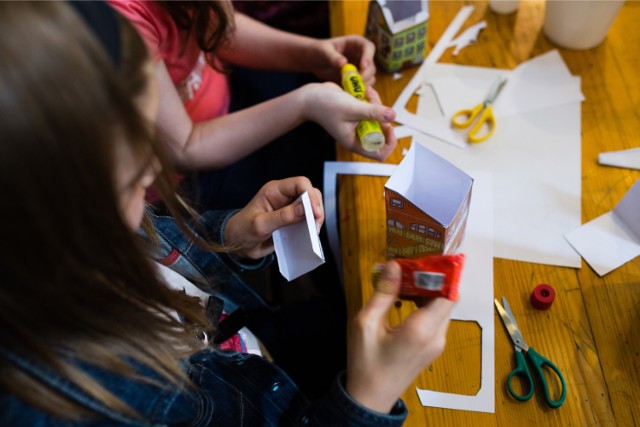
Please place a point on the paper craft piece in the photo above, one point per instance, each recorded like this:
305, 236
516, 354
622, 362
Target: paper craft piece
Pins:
399, 31
427, 202
468, 37
624, 159
298, 246
476, 299
331, 172
612, 239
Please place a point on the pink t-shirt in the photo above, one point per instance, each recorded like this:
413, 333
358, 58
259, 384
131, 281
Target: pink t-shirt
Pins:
204, 91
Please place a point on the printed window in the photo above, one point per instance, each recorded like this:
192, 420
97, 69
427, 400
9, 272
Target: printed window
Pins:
411, 37
398, 42
396, 203
420, 228
408, 51
395, 223
422, 31
397, 54
420, 47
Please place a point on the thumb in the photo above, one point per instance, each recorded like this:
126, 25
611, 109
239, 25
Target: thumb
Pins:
290, 214
336, 59
387, 289
380, 113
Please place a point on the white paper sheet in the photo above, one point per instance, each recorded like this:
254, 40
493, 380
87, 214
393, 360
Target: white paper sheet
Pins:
476, 299
535, 160
540, 83
612, 239
298, 246
624, 159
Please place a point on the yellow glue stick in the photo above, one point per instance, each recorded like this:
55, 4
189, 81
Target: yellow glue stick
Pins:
368, 131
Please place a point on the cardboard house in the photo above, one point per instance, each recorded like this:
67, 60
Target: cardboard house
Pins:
427, 202
398, 28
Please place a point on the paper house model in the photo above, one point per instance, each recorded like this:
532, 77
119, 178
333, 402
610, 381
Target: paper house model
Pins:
398, 28
427, 202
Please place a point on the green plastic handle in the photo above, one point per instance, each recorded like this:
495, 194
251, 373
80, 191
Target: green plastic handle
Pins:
523, 373
539, 362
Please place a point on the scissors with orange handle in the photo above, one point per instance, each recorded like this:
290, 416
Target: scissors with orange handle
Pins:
483, 112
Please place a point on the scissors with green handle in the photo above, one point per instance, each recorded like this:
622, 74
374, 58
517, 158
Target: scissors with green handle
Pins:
483, 112
537, 360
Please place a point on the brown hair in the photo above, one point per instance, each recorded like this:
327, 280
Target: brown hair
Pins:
75, 281
212, 23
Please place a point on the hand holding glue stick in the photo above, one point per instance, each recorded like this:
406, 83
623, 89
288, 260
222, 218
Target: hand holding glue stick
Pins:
369, 131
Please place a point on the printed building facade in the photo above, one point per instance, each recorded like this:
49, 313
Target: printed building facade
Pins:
427, 204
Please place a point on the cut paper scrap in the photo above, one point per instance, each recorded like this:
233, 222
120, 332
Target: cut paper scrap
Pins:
535, 162
612, 239
298, 246
468, 37
629, 159
476, 299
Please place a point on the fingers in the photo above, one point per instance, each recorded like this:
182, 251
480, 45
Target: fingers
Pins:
281, 212
281, 192
269, 222
435, 314
386, 291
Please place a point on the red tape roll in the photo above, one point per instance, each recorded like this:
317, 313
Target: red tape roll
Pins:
542, 296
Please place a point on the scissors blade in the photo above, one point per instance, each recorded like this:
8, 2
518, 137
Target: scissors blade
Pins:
495, 89
507, 308
512, 327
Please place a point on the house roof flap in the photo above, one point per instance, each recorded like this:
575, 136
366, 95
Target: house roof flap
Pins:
436, 186
404, 14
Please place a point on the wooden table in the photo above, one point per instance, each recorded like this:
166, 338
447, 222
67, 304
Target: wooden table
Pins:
592, 331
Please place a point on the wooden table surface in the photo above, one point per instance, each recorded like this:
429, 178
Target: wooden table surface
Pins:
592, 331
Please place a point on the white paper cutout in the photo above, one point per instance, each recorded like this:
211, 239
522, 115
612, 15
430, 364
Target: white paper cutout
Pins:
629, 159
298, 246
331, 172
475, 303
612, 239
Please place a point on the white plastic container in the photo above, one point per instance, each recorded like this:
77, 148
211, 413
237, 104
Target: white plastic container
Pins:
504, 6
579, 24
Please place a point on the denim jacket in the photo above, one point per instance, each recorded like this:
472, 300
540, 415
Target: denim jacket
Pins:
231, 389
215, 273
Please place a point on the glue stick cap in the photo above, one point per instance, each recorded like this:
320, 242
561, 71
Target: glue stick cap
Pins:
348, 68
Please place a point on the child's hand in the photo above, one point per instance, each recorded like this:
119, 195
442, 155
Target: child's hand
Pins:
383, 361
326, 57
273, 207
339, 113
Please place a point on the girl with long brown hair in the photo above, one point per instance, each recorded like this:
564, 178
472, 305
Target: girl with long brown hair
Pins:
91, 333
